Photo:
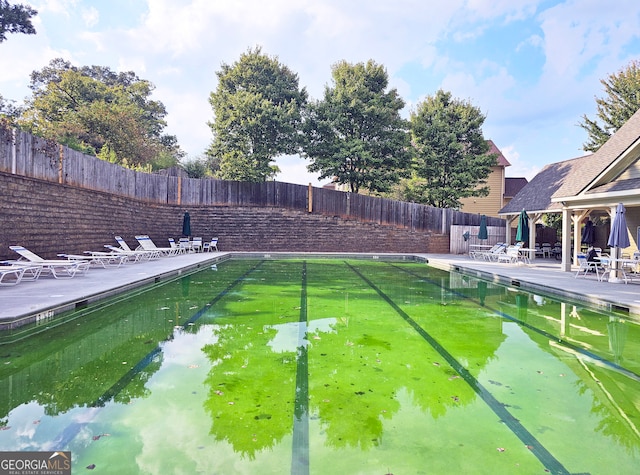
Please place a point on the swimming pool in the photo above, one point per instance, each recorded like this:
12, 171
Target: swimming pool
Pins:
328, 366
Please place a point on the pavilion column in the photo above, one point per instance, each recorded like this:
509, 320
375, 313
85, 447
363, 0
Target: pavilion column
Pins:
507, 237
567, 258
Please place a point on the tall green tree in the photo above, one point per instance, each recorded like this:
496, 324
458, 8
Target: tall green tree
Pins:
8, 110
355, 134
621, 101
450, 152
95, 110
15, 19
257, 116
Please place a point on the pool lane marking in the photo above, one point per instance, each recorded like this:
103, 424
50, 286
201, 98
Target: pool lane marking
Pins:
596, 359
300, 443
541, 453
72, 430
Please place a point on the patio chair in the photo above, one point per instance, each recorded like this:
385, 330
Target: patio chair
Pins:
184, 244
196, 244
148, 245
587, 266
176, 249
538, 251
209, 246
58, 268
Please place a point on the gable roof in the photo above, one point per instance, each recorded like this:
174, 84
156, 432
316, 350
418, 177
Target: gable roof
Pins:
571, 177
502, 161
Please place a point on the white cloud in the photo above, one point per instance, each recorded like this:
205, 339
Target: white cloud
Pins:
64, 7
518, 168
293, 169
190, 112
91, 16
180, 45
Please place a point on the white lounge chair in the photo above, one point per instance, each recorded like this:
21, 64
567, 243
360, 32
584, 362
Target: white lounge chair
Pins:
58, 268
511, 255
488, 254
103, 259
148, 245
12, 274
140, 253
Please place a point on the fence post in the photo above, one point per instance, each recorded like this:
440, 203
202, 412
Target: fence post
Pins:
444, 221
14, 156
179, 189
60, 160
310, 198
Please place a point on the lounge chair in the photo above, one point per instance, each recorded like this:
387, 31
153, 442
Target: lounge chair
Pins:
491, 254
103, 259
511, 255
12, 274
210, 246
148, 245
58, 268
138, 253
482, 253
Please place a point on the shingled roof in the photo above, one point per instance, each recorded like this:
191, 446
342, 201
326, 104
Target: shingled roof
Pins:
572, 177
513, 185
501, 159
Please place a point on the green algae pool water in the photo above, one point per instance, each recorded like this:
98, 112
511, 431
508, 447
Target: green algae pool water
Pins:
327, 367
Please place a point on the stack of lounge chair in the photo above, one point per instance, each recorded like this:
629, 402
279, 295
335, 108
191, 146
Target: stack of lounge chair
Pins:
31, 266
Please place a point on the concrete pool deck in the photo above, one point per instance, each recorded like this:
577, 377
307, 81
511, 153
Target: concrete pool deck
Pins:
47, 296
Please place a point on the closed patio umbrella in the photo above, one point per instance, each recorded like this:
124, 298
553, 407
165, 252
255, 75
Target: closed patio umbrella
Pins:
482, 232
186, 224
588, 234
619, 237
522, 234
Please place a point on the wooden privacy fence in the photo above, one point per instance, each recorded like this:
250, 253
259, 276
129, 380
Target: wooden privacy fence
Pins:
458, 244
24, 154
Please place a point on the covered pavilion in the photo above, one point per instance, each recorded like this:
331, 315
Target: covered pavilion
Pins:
584, 188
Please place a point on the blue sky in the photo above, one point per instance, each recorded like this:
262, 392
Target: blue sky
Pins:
532, 66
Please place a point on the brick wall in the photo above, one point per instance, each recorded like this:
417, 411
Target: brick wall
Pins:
48, 219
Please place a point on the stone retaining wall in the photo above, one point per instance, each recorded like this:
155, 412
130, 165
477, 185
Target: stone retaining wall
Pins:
49, 218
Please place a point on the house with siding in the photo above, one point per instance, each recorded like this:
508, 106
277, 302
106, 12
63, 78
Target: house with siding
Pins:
501, 189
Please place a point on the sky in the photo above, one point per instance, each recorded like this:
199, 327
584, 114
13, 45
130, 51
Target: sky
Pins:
533, 67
